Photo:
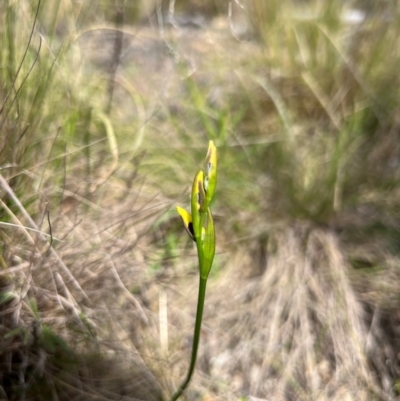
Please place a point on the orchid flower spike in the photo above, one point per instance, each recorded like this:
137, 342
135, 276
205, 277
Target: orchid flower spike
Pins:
200, 227
199, 224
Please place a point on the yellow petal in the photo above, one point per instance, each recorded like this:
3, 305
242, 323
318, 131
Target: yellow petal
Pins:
187, 221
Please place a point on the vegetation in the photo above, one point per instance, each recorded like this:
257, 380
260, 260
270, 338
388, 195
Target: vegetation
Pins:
103, 109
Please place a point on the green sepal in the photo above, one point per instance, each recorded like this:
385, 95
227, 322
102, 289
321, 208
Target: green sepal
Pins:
198, 202
210, 179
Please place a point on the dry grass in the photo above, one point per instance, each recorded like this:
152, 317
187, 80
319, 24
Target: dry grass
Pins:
298, 330
76, 319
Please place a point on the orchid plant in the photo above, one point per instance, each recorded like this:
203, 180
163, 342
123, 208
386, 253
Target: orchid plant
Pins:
200, 226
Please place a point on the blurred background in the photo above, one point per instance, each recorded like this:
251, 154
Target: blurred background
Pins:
106, 110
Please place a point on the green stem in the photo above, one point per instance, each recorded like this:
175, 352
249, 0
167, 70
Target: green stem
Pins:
196, 339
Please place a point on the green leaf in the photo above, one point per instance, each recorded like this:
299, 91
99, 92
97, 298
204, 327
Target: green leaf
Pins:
6, 296
52, 341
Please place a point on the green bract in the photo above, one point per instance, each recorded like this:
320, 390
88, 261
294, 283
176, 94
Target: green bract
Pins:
208, 246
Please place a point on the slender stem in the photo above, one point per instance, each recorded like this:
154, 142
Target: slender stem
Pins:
196, 338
